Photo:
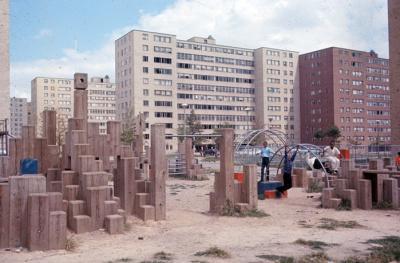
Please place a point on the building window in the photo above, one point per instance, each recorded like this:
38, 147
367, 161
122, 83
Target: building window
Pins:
145, 48
145, 58
145, 70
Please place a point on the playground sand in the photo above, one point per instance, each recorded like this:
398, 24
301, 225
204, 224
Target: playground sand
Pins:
190, 229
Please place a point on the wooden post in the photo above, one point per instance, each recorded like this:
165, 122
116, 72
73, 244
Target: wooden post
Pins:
158, 171
249, 188
50, 126
224, 186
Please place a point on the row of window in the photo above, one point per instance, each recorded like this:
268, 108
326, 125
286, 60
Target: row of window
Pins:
214, 49
215, 68
214, 78
214, 97
207, 117
213, 107
213, 88
231, 61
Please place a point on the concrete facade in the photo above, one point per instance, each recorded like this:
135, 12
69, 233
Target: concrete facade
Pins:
18, 115
158, 75
56, 94
346, 88
51, 94
4, 61
101, 101
394, 55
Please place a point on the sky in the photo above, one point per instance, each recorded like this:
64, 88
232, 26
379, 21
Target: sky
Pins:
56, 38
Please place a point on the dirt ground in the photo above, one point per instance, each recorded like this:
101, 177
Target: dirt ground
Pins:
190, 229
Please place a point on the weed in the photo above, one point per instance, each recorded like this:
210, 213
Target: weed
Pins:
278, 259
127, 227
230, 210
163, 256
313, 244
213, 252
314, 258
345, 205
383, 205
332, 224
315, 187
71, 244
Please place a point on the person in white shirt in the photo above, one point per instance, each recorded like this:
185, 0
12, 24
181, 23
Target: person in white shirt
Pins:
331, 153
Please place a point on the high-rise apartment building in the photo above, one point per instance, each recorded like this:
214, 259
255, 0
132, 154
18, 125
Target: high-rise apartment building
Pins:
101, 101
18, 115
51, 94
165, 78
394, 55
348, 89
57, 94
4, 61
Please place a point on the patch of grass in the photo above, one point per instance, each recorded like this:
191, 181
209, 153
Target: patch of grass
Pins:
254, 213
387, 249
278, 259
313, 244
304, 224
230, 210
315, 187
71, 244
120, 260
383, 205
163, 256
333, 224
210, 159
345, 205
314, 258
213, 252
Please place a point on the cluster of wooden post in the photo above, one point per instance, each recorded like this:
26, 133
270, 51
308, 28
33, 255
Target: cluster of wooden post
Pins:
194, 171
29, 216
141, 196
227, 191
364, 187
74, 190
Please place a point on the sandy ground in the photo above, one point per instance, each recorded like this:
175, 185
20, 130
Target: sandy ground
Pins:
189, 229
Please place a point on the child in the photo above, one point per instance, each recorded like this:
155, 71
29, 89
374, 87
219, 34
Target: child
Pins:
287, 170
397, 161
266, 153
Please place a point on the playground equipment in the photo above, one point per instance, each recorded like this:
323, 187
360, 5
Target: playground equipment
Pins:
247, 153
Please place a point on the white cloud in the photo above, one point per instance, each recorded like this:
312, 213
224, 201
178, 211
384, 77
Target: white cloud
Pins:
300, 25
43, 33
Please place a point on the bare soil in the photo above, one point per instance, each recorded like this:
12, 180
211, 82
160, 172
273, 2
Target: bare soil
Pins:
189, 228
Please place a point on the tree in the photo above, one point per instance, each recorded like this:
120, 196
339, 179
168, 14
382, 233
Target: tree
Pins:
319, 135
62, 127
127, 134
333, 132
193, 127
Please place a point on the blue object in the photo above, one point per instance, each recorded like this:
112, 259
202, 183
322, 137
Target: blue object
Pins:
271, 185
29, 166
266, 152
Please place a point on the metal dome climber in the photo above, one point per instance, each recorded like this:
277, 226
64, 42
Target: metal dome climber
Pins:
314, 150
246, 153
